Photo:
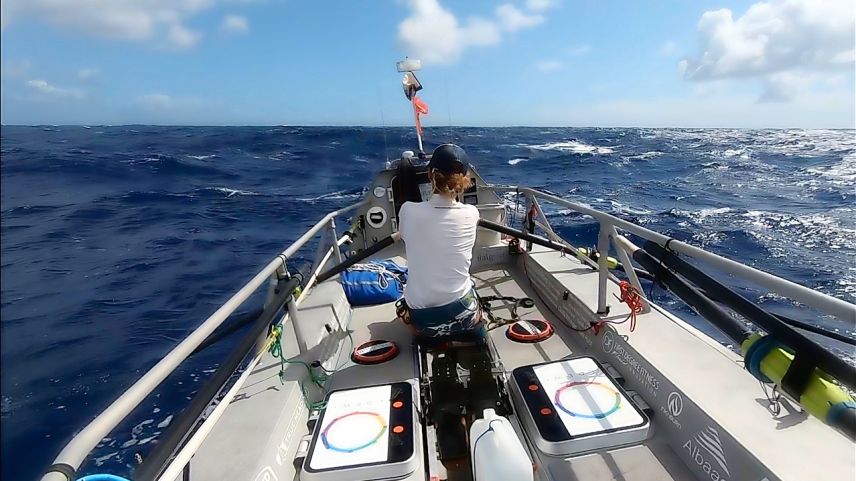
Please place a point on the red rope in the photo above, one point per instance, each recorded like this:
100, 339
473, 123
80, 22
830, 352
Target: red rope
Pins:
631, 296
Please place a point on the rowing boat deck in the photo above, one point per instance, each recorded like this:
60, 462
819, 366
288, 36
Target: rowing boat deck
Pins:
708, 417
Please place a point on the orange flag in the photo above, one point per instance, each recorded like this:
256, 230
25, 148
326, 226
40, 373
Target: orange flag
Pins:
419, 108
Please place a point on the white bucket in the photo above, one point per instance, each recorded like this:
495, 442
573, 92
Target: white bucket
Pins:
494, 213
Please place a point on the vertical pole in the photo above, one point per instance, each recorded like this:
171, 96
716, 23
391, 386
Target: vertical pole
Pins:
298, 334
602, 268
628, 266
336, 250
416, 123
281, 272
526, 222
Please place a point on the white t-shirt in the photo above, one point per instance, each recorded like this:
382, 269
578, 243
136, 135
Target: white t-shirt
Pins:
439, 236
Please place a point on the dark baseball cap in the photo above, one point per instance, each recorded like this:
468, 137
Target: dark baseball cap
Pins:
449, 159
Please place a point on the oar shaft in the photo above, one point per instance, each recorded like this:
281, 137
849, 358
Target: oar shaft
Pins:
823, 358
519, 234
708, 309
372, 250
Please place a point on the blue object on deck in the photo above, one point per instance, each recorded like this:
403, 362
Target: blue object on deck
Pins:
375, 282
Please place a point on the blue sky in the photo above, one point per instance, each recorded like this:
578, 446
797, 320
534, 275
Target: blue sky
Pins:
723, 63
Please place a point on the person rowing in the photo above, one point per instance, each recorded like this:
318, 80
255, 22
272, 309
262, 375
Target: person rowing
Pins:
439, 300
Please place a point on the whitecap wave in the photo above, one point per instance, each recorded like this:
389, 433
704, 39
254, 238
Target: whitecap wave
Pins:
740, 153
573, 147
201, 157
516, 161
231, 192
643, 156
807, 230
626, 209
843, 173
712, 212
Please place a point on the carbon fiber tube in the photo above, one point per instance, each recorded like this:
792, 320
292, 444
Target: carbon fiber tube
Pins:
519, 234
373, 249
826, 360
695, 299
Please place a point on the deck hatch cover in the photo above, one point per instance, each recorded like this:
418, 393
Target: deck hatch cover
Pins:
573, 406
365, 433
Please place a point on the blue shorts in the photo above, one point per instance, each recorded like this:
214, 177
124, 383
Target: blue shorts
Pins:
458, 320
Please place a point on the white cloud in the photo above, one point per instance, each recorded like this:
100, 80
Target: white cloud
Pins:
668, 49
549, 65
512, 19
160, 20
579, 50
774, 36
785, 86
235, 24
433, 34
182, 37
48, 90
87, 73
541, 5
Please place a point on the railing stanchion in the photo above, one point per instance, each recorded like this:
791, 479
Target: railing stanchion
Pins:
85, 440
602, 267
298, 332
628, 266
827, 304
336, 249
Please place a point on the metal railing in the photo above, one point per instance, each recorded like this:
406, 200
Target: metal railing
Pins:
608, 235
74, 453
70, 458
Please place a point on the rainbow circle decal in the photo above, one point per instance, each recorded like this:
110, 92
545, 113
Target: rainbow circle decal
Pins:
350, 449
617, 403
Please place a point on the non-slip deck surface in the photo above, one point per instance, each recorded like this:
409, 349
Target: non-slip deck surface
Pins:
264, 424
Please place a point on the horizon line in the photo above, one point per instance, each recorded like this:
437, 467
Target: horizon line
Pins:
425, 127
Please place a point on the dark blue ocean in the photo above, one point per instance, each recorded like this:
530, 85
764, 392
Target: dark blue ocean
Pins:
117, 241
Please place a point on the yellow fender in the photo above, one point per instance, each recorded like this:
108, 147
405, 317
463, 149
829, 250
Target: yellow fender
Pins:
823, 398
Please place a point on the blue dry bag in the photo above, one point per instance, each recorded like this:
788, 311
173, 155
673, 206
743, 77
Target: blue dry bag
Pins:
375, 282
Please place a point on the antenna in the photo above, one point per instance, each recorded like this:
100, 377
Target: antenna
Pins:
408, 65
449, 110
412, 85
